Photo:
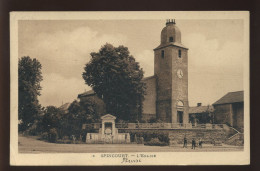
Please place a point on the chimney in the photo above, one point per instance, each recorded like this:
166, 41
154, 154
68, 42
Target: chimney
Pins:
170, 21
198, 104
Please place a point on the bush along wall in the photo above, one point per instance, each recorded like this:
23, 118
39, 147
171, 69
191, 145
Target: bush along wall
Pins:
169, 136
53, 136
50, 136
148, 137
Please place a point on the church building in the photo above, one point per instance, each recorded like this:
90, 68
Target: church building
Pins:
167, 90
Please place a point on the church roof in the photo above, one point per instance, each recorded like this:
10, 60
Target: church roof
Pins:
170, 35
148, 78
200, 109
171, 44
87, 93
231, 97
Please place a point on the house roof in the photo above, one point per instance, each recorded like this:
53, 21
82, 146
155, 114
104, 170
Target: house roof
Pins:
64, 106
90, 92
148, 78
231, 97
200, 109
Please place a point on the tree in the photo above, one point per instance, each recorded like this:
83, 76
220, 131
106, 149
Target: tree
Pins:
52, 118
57, 121
79, 114
116, 78
29, 78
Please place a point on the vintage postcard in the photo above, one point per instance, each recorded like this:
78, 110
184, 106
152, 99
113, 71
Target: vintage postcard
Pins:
129, 88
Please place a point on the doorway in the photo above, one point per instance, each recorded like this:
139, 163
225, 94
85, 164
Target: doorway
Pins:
180, 117
108, 128
108, 133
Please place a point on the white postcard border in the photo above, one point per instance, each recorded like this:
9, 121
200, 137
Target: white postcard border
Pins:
162, 158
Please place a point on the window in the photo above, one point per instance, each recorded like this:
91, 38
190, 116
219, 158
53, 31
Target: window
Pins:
162, 54
179, 53
170, 39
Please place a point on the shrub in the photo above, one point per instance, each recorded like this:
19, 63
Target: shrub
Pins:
157, 142
163, 138
135, 138
65, 137
84, 133
64, 141
148, 135
140, 140
53, 135
143, 121
33, 132
152, 120
44, 136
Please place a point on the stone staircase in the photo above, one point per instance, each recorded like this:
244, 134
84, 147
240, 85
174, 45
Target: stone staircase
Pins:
236, 139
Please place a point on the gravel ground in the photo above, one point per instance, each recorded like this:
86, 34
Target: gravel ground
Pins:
32, 145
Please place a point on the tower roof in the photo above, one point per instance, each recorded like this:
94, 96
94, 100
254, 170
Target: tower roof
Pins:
171, 35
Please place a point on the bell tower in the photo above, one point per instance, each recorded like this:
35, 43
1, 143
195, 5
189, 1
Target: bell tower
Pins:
171, 71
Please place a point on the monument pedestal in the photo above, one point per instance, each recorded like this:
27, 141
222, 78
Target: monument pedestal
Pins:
108, 133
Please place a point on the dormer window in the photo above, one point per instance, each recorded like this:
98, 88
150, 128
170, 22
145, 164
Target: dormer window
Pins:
162, 53
170, 39
179, 53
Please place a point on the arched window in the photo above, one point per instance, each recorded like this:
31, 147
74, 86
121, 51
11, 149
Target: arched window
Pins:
179, 104
170, 39
179, 53
162, 53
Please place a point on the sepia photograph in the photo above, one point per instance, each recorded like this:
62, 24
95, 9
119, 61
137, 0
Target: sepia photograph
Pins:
129, 88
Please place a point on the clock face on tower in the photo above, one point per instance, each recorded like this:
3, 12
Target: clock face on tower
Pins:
179, 73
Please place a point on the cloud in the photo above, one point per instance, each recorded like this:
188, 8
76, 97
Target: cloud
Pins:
63, 55
211, 53
213, 67
57, 89
64, 52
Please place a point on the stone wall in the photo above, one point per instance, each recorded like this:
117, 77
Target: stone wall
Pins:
149, 104
180, 85
177, 135
238, 116
223, 114
94, 138
232, 114
207, 136
163, 72
164, 110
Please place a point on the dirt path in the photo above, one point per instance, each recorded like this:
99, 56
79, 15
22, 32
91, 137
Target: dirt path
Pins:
32, 145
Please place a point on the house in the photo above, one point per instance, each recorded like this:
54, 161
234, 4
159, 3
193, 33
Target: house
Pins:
201, 114
64, 107
100, 107
229, 109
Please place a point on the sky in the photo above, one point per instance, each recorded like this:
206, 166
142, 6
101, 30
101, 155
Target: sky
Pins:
215, 57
